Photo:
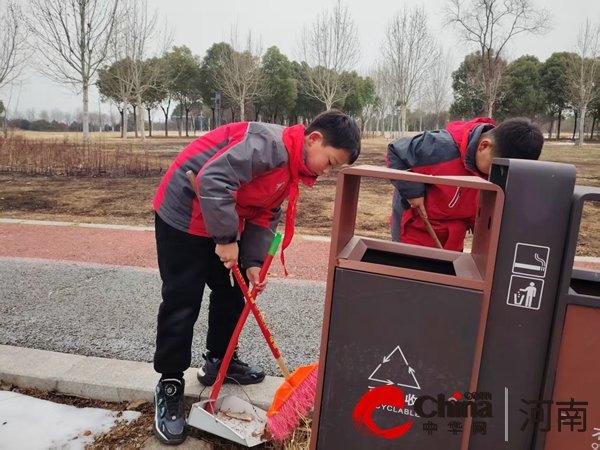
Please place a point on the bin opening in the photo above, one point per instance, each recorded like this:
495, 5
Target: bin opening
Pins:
408, 262
585, 287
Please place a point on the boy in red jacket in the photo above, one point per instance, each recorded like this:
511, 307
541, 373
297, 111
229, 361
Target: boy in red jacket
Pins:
244, 172
462, 149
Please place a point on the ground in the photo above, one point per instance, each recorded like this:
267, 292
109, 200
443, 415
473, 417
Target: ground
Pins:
128, 200
134, 435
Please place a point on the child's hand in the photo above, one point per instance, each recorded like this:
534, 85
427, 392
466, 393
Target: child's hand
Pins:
253, 274
418, 203
228, 253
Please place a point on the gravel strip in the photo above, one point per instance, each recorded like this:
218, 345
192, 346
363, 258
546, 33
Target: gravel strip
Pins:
110, 311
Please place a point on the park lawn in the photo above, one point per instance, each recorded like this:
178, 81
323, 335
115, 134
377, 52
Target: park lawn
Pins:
128, 201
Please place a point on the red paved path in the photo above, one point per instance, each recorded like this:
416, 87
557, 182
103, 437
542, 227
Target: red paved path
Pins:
305, 259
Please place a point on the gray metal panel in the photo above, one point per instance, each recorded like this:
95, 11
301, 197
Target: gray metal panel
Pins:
372, 316
567, 296
538, 197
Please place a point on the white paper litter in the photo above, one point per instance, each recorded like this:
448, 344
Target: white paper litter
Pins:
28, 423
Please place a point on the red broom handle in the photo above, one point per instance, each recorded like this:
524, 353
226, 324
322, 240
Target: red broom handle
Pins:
261, 322
250, 305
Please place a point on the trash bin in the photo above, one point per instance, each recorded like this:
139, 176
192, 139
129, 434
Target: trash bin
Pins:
573, 371
402, 323
535, 220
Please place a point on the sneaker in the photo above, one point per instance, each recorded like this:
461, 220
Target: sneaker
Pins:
169, 416
238, 371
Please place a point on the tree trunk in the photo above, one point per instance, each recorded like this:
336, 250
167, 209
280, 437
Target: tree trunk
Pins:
149, 123
241, 111
551, 127
403, 114
187, 115
5, 124
141, 125
576, 124
135, 121
581, 125
125, 120
86, 114
437, 121
559, 123
593, 125
180, 119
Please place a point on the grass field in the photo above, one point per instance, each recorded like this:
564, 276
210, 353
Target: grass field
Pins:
128, 201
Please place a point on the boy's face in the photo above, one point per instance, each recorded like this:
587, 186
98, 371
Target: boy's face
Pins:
320, 158
484, 155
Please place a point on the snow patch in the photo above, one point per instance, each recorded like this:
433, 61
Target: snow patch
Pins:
28, 423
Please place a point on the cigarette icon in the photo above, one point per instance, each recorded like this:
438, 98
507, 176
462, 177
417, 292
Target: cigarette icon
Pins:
541, 268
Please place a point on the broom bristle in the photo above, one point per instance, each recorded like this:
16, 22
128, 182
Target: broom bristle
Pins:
299, 404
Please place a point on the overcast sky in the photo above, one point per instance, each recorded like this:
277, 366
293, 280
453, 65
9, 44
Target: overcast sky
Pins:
198, 24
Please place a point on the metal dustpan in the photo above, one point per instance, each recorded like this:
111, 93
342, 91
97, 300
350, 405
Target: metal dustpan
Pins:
233, 419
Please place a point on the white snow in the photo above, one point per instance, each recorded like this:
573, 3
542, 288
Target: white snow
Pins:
28, 423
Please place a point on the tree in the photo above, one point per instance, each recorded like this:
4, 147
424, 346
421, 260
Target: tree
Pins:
212, 62
240, 76
13, 50
490, 25
329, 47
525, 96
185, 70
363, 101
583, 69
555, 85
134, 38
306, 105
439, 84
407, 48
72, 37
114, 85
281, 87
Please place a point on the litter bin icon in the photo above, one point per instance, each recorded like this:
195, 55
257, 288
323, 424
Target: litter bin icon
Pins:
403, 328
572, 380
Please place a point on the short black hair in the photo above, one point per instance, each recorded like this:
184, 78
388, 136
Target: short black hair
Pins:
338, 130
517, 138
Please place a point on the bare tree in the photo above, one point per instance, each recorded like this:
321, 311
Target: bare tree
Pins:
384, 93
136, 39
330, 47
440, 84
72, 37
407, 49
583, 69
239, 77
13, 49
490, 25
30, 114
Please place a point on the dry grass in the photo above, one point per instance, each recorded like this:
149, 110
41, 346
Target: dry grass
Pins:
128, 200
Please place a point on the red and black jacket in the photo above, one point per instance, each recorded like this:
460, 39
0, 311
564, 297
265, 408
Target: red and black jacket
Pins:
451, 210
244, 171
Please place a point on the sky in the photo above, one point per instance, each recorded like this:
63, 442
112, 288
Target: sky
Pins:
198, 24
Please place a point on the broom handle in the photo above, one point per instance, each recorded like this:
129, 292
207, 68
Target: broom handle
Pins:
257, 314
261, 322
430, 229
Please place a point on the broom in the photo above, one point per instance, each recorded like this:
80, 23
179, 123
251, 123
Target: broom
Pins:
296, 396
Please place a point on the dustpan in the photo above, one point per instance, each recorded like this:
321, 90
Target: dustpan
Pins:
249, 432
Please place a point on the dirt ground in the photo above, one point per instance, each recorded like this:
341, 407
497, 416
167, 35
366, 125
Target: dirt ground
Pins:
128, 201
134, 435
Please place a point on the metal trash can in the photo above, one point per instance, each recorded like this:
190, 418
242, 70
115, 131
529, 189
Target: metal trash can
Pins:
401, 321
535, 219
572, 381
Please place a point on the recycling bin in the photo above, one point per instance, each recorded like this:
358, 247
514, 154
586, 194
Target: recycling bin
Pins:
402, 322
573, 370
424, 348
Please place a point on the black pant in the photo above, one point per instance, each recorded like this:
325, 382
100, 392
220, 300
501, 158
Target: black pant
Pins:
187, 263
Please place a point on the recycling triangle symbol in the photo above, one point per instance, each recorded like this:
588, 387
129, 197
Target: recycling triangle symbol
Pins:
386, 360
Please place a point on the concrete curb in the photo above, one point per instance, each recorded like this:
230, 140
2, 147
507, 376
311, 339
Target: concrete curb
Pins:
110, 380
